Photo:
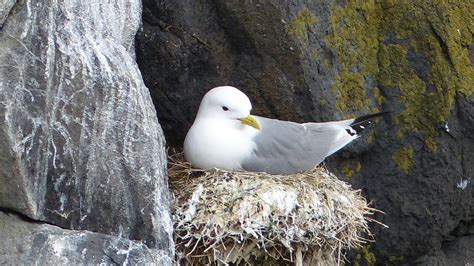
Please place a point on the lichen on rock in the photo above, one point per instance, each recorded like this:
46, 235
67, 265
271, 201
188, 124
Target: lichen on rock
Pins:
354, 39
440, 41
298, 26
403, 159
379, 40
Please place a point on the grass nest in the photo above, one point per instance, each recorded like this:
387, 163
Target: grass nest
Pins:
243, 217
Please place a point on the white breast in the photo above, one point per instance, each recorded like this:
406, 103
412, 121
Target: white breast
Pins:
223, 144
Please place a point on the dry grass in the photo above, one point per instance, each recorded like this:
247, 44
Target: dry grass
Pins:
244, 217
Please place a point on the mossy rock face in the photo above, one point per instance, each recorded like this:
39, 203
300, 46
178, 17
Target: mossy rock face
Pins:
414, 59
328, 60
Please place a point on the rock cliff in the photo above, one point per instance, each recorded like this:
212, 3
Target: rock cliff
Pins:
80, 143
328, 60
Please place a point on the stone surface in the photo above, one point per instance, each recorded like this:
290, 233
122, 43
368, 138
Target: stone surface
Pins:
325, 60
5, 7
80, 143
29, 243
460, 251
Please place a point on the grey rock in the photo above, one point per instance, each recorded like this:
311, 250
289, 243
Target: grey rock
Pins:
80, 143
291, 58
5, 7
435, 258
28, 243
459, 251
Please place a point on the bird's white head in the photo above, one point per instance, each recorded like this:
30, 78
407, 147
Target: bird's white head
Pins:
228, 103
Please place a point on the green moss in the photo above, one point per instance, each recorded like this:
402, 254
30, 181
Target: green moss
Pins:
413, 94
364, 256
370, 137
298, 26
453, 28
403, 159
350, 86
436, 34
396, 259
314, 52
323, 102
350, 168
326, 63
428, 100
380, 99
354, 37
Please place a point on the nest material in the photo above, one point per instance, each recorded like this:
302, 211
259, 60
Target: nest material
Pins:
244, 217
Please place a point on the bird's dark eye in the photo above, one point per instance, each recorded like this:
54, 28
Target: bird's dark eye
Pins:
225, 108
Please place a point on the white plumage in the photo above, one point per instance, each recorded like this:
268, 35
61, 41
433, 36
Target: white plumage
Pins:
224, 135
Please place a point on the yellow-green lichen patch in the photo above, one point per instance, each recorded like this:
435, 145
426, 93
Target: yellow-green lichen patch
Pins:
434, 39
420, 48
380, 99
453, 23
298, 26
350, 168
370, 137
364, 257
323, 102
396, 259
354, 38
403, 159
350, 86
326, 63
413, 95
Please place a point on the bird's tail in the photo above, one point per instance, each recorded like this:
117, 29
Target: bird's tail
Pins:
363, 122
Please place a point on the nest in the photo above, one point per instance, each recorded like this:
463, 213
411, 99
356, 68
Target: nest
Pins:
244, 217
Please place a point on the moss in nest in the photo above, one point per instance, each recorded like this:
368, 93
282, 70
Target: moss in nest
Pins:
244, 217
403, 159
323, 102
298, 26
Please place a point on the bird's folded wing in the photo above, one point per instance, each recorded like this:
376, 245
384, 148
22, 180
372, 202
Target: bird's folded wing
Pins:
286, 147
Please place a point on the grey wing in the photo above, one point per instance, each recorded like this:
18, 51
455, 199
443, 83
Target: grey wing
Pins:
285, 147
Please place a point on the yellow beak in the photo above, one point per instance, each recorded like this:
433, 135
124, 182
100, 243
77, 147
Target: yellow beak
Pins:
250, 121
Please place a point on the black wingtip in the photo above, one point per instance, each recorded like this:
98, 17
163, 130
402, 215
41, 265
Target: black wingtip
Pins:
369, 116
363, 122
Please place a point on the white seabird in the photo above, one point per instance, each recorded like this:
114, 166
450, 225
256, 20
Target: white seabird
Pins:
225, 135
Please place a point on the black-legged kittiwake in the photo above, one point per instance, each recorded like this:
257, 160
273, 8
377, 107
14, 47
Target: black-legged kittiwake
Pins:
225, 136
